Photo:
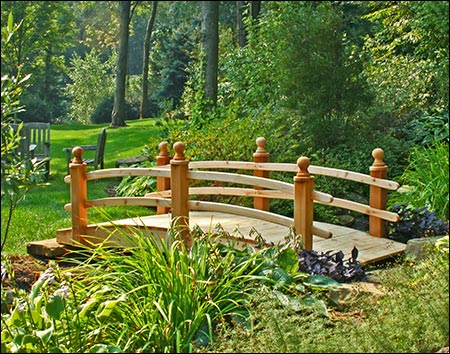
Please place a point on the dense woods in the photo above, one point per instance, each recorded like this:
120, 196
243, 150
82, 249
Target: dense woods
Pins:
327, 79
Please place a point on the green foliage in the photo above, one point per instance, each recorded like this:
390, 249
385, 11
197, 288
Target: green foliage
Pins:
323, 81
136, 186
53, 317
92, 81
409, 50
425, 180
430, 127
47, 31
406, 310
19, 174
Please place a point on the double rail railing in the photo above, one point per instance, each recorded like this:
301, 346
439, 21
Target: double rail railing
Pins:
174, 193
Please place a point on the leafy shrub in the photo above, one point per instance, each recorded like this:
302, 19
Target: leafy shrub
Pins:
430, 127
92, 78
427, 179
415, 223
332, 265
103, 110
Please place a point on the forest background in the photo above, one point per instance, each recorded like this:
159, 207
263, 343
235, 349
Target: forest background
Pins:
327, 79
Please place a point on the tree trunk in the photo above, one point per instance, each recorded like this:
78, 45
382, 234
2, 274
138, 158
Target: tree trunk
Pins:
210, 41
255, 9
118, 113
242, 36
144, 109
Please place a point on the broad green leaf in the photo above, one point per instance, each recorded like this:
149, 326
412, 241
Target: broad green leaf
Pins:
107, 307
321, 282
278, 274
86, 307
54, 307
288, 260
45, 335
288, 301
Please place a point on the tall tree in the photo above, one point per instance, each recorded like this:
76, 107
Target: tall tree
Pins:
240, 24
143, 111
254, 8
210, 41
125, 14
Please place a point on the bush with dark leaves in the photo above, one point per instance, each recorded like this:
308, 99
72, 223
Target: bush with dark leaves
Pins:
415, 223
332, 265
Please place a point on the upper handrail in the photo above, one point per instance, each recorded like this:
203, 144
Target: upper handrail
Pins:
173, 190
292, 167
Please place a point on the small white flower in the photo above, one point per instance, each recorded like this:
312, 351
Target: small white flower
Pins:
63, 291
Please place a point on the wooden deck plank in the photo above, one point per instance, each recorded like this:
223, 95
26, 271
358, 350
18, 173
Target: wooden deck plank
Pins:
370, 248
344, 238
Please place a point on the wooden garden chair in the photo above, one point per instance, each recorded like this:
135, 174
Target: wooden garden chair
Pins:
38, 137
34, 143
99, 151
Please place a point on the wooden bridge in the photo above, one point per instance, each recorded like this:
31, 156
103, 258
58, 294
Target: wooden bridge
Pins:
176, 210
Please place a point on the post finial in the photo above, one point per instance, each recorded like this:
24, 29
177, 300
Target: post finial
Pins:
303, 163
163, 148
179, 148
378, 155
261, 145
77, 152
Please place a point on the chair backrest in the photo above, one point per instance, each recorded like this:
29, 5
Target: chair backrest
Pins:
38, 133
23, 148
100, 151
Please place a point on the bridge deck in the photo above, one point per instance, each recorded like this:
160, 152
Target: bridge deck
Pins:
371, 249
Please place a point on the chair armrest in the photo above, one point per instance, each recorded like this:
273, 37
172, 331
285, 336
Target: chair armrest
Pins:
32, 149
89, 147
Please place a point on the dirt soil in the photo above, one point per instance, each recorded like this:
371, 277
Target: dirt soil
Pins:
27, 270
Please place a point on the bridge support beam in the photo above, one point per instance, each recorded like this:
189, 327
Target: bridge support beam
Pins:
303, 204
179, 185
261, 155
162, 183
78, 195
378, 195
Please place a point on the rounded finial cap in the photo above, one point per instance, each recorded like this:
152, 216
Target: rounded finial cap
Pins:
179, 148
303, 163
77, 153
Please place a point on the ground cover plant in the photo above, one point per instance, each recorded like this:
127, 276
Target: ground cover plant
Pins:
153, 297
406, 312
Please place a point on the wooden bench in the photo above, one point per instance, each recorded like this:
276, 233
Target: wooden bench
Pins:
99, 151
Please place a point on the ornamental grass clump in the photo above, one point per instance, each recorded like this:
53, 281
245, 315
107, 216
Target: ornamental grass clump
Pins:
173, 297
155, 295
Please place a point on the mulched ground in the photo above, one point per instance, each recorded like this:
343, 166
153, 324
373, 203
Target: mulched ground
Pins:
27, 270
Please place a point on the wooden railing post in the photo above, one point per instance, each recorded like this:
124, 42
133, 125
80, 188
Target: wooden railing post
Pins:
303, 203
162, 183
78, 195
378, 195
179, 183
261, 155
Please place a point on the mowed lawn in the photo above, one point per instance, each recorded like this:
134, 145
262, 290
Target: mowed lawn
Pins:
42, 212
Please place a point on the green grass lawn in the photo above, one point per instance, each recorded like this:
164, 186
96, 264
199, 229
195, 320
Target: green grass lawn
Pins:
42, 212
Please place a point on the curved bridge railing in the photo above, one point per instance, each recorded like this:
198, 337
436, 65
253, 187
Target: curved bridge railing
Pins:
174, 191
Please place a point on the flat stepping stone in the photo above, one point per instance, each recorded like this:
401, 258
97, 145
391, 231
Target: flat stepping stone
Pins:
134, 160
